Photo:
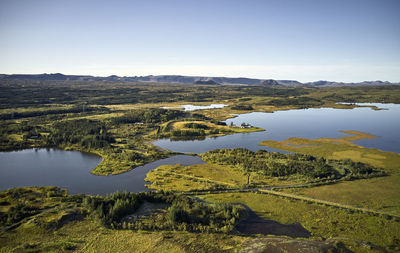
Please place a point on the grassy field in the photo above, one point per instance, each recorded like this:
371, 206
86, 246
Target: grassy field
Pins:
205, 177
87, 236
355, 229
380, 193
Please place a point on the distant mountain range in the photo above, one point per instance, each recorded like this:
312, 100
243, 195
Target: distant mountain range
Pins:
201, 80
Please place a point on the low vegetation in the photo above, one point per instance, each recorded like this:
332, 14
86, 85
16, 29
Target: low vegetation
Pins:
363, 232
196, 177
43, 209
183, 213
59, 222
380, 193
62, 222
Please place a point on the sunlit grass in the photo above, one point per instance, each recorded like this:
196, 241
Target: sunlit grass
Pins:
380, 193
321, 221
205, 177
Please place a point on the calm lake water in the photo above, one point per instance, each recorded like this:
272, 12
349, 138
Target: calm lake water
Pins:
305, 123
71, 170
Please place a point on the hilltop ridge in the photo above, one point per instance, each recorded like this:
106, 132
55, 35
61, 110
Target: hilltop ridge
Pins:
201, 80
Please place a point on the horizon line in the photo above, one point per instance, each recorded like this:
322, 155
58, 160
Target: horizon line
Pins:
104, 76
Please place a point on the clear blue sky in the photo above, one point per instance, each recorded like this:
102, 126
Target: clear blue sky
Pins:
306, 40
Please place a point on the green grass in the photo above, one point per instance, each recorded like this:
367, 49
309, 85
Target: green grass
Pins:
321, 221
111, 163
87, 236
380, 193
162, 179
193, 177
204, 177
34, 109
127, 241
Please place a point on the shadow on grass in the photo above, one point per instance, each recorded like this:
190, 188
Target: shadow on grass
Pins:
254, 224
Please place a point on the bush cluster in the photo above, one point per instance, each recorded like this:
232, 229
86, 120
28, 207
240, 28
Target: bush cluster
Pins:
184, 213
150, 115
196, 126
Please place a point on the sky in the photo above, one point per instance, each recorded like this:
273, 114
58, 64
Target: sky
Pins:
304, 40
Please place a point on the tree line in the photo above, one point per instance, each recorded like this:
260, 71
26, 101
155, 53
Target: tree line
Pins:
74, 109
84, 132
277, 165
150, 115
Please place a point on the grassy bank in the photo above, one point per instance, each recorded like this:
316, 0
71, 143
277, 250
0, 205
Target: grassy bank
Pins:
340, 148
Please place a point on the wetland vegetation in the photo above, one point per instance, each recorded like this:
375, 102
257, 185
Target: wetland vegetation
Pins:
196, 207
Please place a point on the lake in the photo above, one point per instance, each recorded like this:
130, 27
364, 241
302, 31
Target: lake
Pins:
304, 123
71, 170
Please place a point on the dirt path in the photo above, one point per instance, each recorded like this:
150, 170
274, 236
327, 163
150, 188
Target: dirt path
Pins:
327, 203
